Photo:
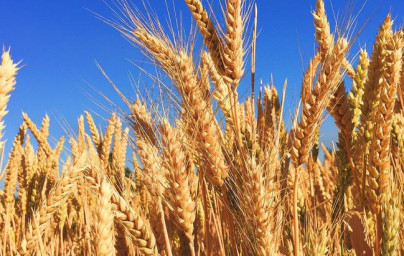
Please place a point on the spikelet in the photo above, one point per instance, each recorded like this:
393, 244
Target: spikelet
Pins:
119, 154
74, 149
309, 75
123, 148
317, 244
200, 226
25, 177
321, 182
345, 179
23, 186
271, 116
29, 158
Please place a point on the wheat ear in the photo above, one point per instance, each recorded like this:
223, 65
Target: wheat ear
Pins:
221, 92
313, 107
386, 87
104, 222
208, 31
8, 72
314, 103
107, 141
324, 37
137, 227
57, 196
358, 85
379, 169
39, 136
234, 52
178, 179
340, 111
13, 166
391, 222
93, 129
142, 122
201, 113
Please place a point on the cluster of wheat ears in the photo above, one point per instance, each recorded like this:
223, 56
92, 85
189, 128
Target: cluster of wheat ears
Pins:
213, 175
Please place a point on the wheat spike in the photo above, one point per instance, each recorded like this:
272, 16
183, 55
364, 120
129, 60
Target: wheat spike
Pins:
39, 136
179, 183
93, 129
8, 72
107, 140
104, 222
234, 51
208, 31
380, 144
201, 113
358, 84
314, 103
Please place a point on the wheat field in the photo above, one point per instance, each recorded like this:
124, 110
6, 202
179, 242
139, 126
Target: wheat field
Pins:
211, 174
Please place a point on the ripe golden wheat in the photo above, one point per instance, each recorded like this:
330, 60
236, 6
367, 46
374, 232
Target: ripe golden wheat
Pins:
214, 175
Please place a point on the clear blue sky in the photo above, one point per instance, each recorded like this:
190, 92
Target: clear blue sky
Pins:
59, 42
